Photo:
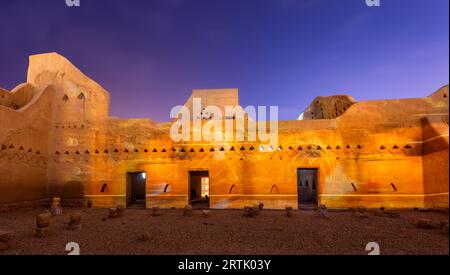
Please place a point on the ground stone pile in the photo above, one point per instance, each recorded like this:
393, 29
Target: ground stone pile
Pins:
425, 224
392, 214
43, 224
261, 206
361, 212
187, 211
205, 213
145, 237
5, 237
113, 213
56, 208
250, 211
74, 221
323, 211
289, 211
379, 212
155, 211
120, 209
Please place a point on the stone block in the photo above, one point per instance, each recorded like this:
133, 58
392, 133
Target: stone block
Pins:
43, 220
391, 214
205, 213
4, 246
289, 211
249, 211
424, 224
120, 209
187, 211
56, 210
323, 213
261, 206
113, 213
5, 236
42, 232
155, 211
379, 213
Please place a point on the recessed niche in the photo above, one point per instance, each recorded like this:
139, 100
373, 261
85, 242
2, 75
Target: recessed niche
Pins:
166, 188
394, 187
104, 188
232, 189
274, 190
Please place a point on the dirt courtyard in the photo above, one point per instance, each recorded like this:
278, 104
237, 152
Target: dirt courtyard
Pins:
225, 232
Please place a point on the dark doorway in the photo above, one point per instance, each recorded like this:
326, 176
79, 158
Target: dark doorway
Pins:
199, 189
307, 186
136, 189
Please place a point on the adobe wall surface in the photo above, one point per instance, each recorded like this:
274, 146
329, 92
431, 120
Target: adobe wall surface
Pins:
24, 148
390, 153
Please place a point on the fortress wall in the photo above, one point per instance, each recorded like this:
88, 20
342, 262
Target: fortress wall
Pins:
80, 110
383, 147
23, 157
435, 159
370, 159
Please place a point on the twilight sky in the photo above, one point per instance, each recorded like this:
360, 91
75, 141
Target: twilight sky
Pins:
150, 54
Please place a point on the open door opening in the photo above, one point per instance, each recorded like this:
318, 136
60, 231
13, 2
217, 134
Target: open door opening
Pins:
307, 187
136, 183
199, 189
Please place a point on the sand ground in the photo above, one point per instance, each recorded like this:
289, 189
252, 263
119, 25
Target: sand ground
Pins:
226, 232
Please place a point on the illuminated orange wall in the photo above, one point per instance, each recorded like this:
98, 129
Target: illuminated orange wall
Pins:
395, 152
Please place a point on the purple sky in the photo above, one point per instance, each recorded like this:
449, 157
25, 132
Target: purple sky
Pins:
149, 54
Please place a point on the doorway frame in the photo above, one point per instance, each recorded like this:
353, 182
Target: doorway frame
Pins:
129, 187
316, 198
190, 171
